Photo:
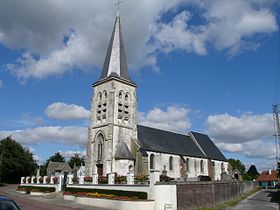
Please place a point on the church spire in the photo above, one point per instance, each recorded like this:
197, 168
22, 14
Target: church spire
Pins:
115, 64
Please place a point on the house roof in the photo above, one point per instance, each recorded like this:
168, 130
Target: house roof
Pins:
152, 139
266, 177
53, 166
208, 147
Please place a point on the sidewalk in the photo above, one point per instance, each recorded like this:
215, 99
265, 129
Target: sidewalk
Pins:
52, 199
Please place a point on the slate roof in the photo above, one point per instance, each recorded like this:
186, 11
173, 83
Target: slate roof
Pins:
123, 153
208, 147
57, 166
266, 177
115, 64
156, 140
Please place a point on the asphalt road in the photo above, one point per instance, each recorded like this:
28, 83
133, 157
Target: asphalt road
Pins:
31, 202
262, 200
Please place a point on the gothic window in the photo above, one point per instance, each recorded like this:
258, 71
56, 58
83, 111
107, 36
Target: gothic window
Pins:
152, 161
188, 164
104, 104
120, 105
170, 163
100, 148
99, 106
222, 167
201, 166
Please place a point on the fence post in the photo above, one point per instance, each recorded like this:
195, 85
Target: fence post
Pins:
130, 177
94, 178
111, 178
22, 180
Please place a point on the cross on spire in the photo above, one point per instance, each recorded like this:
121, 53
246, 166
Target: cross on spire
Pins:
118, 3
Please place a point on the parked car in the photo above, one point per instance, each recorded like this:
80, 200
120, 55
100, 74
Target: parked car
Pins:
7, 203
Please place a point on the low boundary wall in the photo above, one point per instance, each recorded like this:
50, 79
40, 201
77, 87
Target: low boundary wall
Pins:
208, 194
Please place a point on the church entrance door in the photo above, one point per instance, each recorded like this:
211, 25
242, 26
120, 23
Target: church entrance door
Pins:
99, 170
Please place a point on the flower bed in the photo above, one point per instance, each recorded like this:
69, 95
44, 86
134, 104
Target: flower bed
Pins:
29, 189
109, 194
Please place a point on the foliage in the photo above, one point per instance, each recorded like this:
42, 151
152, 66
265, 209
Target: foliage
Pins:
115, 193
41, 180
48, 180
88, 179
55, 180
237, 164
15, 161
164, 178
252, 171
120, 179
141, 178
57, 157
103, 180
76, 160
75, 179
36, 189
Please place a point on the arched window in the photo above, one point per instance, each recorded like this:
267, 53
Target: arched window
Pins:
188, 164
170, 163
152, 161
201, 166
222, 167
100, 148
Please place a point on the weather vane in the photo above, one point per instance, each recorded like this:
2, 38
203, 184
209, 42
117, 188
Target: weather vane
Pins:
118, 3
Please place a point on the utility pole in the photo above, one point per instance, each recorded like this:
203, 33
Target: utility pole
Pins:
275, 108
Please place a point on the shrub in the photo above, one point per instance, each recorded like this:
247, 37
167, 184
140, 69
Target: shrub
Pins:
103, 180
28, 180
55, 180
34, 180
41, 180
112, 193
24, 180
75, 179
141, 178
36, 189
164, 178
120, 179
88, 179
48, 180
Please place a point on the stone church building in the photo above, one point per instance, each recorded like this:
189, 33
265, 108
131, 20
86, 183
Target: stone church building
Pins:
117, 144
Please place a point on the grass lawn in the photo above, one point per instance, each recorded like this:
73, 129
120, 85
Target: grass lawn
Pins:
233, 202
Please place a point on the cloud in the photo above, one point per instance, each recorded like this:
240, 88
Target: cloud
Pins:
174, 118
55, 39
228, 25
69, 135
252, 149
245, 128
63, 111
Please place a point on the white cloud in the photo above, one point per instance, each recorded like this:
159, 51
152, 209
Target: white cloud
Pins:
69, 135
174, 118
63, 111
39, 27
247, 127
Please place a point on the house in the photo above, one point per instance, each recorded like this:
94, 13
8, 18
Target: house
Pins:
268, 178
58, 168
117, 144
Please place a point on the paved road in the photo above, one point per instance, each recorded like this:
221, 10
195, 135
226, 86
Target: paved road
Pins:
31, 202
262, 200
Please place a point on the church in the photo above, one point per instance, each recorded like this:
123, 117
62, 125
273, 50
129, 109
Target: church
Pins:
117, 144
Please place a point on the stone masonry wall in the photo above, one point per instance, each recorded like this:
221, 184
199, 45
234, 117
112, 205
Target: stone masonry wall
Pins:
208, 194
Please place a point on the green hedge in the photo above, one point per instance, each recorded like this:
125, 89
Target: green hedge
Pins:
139, 195
36, 189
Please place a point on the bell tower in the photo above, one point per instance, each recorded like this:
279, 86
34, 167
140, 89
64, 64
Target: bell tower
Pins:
113, 113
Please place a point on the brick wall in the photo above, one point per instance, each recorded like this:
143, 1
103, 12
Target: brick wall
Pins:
208, 194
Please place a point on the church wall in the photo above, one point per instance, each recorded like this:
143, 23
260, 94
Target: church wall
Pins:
162, 159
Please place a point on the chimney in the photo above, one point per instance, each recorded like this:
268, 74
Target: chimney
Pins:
269, 171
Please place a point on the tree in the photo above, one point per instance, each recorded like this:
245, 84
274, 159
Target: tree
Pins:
15, 161
57, 157
237, 164
76, 160
252, 171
